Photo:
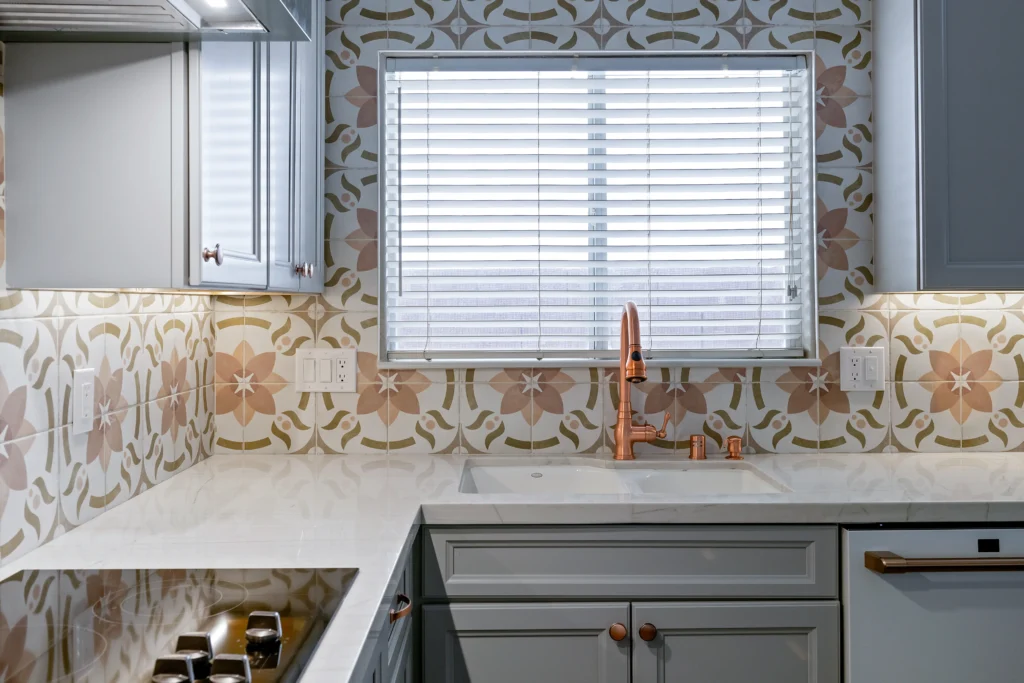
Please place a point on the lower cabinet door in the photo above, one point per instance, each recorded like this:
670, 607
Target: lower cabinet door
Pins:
767, 642
525, 643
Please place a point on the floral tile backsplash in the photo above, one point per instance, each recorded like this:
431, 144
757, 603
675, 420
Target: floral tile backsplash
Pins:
153, 355
956, 361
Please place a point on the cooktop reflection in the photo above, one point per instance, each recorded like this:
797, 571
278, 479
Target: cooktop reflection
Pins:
165, 625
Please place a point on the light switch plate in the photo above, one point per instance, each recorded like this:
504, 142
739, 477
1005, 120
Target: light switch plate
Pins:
325, 370
862, 369
83, 400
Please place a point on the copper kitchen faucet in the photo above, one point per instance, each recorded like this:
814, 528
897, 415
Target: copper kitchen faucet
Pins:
632, 370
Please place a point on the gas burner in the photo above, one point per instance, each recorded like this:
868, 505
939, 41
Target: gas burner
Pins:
169, 626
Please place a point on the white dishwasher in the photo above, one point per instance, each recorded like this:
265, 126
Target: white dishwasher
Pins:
936, 606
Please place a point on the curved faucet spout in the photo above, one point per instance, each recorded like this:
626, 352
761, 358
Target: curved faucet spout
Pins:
632, 370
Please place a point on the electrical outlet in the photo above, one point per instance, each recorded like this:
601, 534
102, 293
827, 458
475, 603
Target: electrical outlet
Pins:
861, 368
83, 400
325, 370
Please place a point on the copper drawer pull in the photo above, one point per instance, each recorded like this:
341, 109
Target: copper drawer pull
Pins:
884, 562
396, 614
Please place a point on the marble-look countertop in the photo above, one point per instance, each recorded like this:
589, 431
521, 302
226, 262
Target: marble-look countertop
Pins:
364, 511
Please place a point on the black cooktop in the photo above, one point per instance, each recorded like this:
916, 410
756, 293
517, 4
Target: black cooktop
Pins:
165, 625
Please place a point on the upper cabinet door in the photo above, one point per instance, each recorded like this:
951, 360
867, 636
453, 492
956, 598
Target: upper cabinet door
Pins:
969, 61
736, 642
309, 149
228, 229
287, 267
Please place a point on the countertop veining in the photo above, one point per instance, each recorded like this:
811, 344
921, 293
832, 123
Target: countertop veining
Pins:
363, 511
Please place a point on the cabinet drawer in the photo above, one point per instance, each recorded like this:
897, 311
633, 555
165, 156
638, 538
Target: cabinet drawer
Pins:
631, 562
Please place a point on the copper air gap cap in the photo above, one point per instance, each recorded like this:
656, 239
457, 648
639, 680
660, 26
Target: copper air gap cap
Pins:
696, 447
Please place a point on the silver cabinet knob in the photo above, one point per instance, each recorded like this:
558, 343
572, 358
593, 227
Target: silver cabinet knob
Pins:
217, 254
304, 269
310, 270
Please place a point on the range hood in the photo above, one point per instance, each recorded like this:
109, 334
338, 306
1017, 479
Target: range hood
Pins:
149, 20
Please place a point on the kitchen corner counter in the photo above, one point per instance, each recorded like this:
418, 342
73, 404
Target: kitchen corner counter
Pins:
364, 511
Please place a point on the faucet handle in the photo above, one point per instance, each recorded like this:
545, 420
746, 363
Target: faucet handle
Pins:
664, 426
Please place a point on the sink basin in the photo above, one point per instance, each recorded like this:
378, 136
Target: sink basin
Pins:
541, 479
609, 478
703, 481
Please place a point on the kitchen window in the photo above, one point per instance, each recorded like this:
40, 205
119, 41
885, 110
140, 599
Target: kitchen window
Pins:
526, 198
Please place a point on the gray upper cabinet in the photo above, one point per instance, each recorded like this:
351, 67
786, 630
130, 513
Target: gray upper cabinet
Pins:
946, 160
165, 165
736, 642
536, 642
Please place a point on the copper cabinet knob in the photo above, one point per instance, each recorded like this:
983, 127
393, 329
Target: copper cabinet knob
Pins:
617, 632
648, 632
217, 254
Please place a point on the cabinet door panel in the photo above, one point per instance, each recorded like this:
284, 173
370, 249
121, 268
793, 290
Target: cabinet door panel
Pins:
226, 188
285, 248
970, 161
513, 643
784, 642
309, 175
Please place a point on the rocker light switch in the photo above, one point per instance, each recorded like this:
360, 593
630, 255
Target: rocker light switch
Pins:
325, 370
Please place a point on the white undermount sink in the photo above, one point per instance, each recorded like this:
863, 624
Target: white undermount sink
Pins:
674, 478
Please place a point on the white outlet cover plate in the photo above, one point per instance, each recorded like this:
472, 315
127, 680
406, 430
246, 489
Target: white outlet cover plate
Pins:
83, 400
325, 370
862, 369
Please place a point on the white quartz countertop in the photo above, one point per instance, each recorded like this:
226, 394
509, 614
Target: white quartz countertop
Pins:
363, 512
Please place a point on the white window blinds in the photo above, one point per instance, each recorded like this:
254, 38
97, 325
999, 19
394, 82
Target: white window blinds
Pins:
525, 199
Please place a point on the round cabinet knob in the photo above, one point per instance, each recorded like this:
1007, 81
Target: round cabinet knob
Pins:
310, 270
617, 632
648, 632
300, 268
217, 254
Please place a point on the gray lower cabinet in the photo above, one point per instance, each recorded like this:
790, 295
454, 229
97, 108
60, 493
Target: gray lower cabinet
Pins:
738, 642
536, 642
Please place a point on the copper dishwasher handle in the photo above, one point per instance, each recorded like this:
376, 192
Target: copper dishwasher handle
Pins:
217, 254
648, 632
618, 632
396, 614
884, 562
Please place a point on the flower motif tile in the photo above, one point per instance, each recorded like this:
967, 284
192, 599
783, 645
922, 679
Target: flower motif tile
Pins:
924, 345
568, 13
341, 428
845, 132
351, 278
853, 422
28, 493
278, 337
843, 12
621, 37
1000, 427
564, 38
339, 13
783, 416
837, 329
402, 13
353, 330
567, 415
495, 13
423, 416
411, 37
497, 411
845, 203
778, 12
926, 416
200, 344
350, 189
999, 334
714, 409
481, 36
289, 429
854, 287
790, 36
844, 61
29, 380
640, 12
705, 38
84, 463
351, 138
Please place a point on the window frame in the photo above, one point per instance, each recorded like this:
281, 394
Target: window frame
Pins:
809, 312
